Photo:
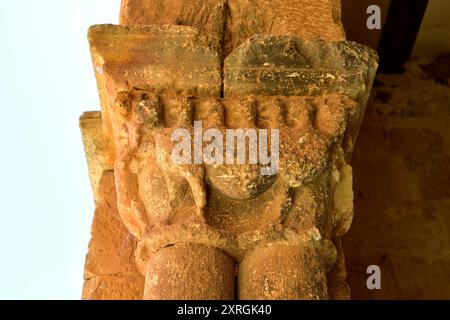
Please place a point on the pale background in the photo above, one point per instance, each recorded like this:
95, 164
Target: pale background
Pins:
46, 82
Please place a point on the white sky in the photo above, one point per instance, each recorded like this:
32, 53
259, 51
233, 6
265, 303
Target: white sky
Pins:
46, 82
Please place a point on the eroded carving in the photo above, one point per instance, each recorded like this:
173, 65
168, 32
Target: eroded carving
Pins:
279, 233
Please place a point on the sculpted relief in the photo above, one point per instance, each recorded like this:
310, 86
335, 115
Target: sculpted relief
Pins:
224, 143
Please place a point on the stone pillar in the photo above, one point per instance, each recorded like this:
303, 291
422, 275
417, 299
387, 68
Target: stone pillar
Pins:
199, 227
167, 275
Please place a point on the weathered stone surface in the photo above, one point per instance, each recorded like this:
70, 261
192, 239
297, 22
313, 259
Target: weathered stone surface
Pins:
282, 272
286, 66
208, 219
162, 68
167, 270
99, 148
232, 22
290, 66
235, 217
110, 268
208, 16
338, 288
308, 19
114, 287
161, 58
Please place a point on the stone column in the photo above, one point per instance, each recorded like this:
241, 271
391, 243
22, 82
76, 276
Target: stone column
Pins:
199, 227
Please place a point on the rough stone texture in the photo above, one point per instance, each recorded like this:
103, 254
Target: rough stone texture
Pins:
234, 21
291, 66
307, 19
208, 16
211, 219
98, 147
264, 281
110, 271
163, 57
167, 274
402, 187
286, 66
114, 287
